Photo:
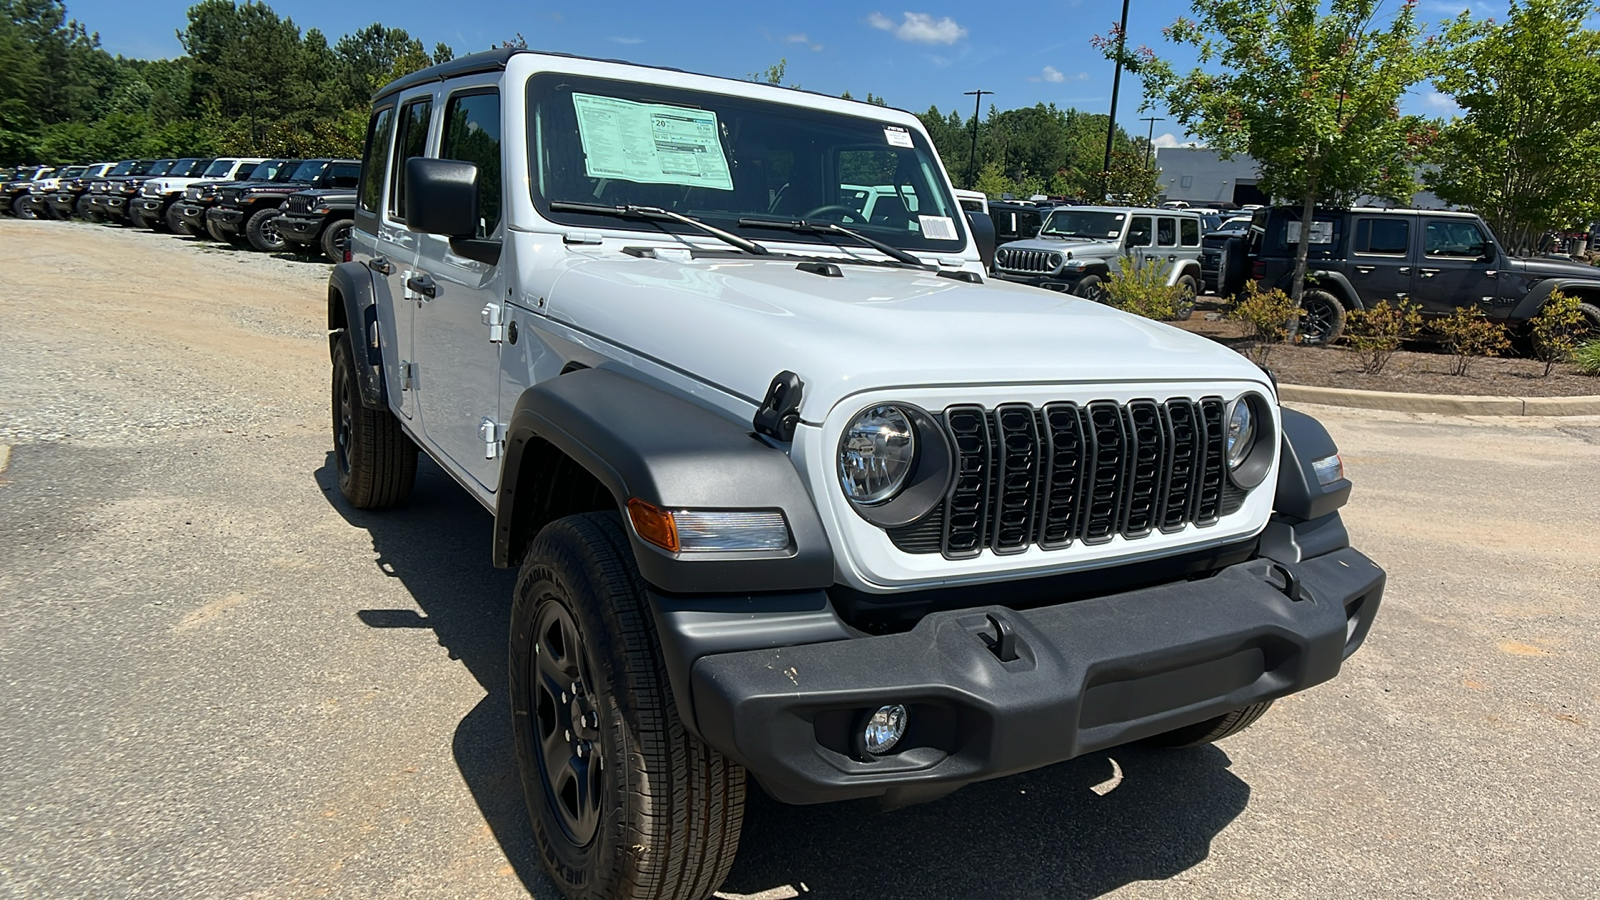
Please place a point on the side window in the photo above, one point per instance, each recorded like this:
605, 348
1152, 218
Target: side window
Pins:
411, 139
1139, 232
1382, 237
472, 134
376, 160
1167, 232
1454, 238
1028, 225
1190, 231
343, 175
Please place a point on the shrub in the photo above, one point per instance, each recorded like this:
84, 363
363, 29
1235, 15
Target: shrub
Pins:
1468, 334
1556, 330
1587, 358
1142, 289
1268, 317
1376, 333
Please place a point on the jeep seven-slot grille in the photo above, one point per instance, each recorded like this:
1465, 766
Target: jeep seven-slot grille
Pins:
1067, 472
297, 204
1026, 260
229, 196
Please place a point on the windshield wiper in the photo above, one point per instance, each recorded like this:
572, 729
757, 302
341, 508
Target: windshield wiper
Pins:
801, 226
658, 214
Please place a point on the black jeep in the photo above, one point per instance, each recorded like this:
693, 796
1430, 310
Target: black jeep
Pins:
111, 198
1440, 260
202, 195
246, 211
319, 220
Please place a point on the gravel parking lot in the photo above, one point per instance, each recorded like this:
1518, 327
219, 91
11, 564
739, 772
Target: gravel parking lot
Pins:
220, 681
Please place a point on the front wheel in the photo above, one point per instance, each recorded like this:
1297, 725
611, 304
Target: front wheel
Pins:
22, 209
1091, 287
1183, 306
175, 222
336, 239
1322, 318
624, 802
262, 230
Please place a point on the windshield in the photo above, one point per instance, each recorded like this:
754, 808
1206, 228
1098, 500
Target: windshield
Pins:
160, 167
73, 171
186, 168
219, 168
718, 159
125, 167
310, 170
1097, 225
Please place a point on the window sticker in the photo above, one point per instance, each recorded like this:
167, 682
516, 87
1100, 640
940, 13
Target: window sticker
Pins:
896, 136
937, 228
651, 143
1321, 232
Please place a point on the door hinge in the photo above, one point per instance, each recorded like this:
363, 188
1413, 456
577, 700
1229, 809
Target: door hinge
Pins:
405, 375
494, 318
493, 435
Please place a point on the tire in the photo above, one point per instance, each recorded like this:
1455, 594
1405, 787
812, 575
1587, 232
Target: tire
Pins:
1591, 321
81, 207
22, 209
1322, 321
226, 237
375, 461
136, 218
1189, 289
262, 232
1091, 287
663, 811
175, 222
1211, 730
336, 239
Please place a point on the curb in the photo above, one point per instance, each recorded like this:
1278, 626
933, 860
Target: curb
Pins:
1449, 404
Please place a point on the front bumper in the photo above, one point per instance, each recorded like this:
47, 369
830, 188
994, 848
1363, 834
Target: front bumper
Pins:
1064, 280
1088, 675
114, 206
227, 218
300, 229
149, 206
64, 202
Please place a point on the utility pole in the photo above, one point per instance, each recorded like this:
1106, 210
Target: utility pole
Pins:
977, 109
1116, 84
1150, 140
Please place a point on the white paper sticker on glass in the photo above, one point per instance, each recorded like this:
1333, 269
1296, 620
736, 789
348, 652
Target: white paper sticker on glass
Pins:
896, 136
937, 228
651, 143
1321, 232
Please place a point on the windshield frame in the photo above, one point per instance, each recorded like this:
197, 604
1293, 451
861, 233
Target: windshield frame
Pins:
732, 111
1068, 211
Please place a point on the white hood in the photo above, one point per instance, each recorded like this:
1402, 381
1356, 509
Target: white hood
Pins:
736, 323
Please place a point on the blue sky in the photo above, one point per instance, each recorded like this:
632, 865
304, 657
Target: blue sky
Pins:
913, 53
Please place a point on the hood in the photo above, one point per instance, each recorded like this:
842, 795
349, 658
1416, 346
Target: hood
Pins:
329, 195
737, 322
1545, 267
1075, 246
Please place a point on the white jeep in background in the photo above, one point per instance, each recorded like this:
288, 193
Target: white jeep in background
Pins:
811, 502
1078, 247
154, 207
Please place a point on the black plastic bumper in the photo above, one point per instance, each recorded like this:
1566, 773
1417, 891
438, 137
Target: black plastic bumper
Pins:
149, 206
1089, 674
300, 229
1064, 281
192, 213
227, 218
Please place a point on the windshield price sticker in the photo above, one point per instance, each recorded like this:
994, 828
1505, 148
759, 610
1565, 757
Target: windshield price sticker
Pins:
651, 143
896, 136
937, 228
1321, 232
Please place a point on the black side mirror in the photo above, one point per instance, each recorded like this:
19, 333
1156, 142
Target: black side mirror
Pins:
442, 198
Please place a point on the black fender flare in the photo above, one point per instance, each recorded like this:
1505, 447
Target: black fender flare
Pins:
353, 314
1530, 304
1300, 496
641, 442
1329, 280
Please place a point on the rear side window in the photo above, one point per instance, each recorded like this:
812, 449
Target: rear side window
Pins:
376, 160
472, 134
1028, 223
1189, 230
1167, 232
411, 140
1382, 237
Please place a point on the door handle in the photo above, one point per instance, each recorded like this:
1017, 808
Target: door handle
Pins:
381, 266
422, 284
1429, 273
1365, 270
1404, 270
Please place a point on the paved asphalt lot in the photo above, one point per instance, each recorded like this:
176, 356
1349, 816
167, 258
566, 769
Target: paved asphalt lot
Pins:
218, 681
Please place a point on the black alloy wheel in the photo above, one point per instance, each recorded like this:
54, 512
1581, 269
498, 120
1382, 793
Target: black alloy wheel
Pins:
567, 723
1322, 319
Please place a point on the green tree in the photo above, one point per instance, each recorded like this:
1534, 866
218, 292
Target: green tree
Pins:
1309, 90
1526, 147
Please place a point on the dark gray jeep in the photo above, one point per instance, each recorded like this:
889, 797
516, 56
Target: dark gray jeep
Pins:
319, 219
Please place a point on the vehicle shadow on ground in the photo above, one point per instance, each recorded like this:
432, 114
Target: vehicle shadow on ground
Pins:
437, 544
1056, 832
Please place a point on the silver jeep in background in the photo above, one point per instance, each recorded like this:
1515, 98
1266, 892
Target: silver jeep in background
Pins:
1077, 247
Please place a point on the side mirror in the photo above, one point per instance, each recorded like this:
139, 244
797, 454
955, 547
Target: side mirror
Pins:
442, 198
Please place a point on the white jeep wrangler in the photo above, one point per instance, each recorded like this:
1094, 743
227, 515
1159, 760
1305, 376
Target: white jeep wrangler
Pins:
798, 494
1078, 247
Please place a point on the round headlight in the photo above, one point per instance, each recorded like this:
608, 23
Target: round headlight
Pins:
1055, 260
876, 454
1241, 431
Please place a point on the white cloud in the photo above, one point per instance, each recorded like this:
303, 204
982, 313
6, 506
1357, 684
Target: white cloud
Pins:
1050, 74
1439, 103
1166, 140
920, 28
626, 40
796, 38
1082, 76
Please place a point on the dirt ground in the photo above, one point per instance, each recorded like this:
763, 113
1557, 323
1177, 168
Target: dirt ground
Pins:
1419, 369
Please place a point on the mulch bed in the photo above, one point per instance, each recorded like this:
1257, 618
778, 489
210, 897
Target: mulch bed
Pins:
1420, 369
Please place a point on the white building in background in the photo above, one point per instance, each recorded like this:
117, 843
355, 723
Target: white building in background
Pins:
1200, 176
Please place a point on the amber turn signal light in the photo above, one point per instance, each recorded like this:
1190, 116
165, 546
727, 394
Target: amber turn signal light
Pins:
654, 525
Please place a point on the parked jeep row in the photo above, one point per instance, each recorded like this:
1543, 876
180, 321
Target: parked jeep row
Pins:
237, 200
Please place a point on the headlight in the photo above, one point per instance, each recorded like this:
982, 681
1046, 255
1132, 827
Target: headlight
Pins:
1055, 260
876, 454
1241, 431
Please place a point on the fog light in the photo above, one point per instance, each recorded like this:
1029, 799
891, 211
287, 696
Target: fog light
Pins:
1329, 469
884, 729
